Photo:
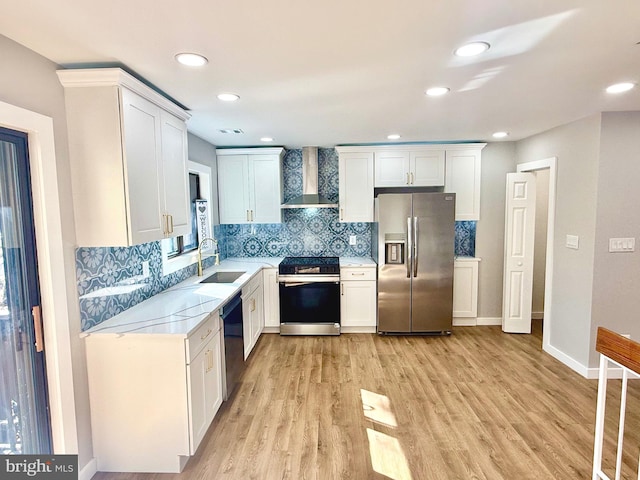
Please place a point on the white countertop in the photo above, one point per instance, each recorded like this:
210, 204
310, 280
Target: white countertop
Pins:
357, 262
180, 309
467, 259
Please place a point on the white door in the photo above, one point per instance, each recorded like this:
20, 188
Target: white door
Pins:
264, 189
392, 169
355, 174
233, 188
518, 252
427, 168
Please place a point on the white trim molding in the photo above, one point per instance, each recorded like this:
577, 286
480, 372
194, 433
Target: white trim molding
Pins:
552, 164
51, 270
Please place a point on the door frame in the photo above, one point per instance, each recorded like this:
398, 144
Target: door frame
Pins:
51, 272
552, 164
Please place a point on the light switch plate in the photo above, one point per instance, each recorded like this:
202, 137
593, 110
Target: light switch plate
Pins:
622, 245
352, 240
572, 241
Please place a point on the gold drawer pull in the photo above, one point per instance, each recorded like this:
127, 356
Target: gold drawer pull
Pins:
206, 335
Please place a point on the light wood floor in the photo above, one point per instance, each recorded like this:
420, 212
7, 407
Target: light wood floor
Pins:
477, 405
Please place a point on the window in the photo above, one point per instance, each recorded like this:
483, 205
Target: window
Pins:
189, 242
175, 255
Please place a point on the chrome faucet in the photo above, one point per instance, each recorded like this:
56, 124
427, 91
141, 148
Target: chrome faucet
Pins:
217, 254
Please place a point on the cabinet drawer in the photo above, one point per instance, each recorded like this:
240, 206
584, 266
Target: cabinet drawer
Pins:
198, 339
349, 273
252, 284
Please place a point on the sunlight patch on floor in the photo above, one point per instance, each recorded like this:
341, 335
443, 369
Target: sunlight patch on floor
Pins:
387, 457
378, 408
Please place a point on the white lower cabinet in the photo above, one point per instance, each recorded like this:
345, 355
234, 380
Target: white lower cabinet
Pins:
271, 300
204, 385
357, 299
465, 289
153, 396
252, 313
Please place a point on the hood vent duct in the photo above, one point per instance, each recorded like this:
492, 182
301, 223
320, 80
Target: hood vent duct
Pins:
310, 197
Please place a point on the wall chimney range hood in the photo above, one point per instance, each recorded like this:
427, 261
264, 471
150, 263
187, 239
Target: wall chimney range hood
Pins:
309, 197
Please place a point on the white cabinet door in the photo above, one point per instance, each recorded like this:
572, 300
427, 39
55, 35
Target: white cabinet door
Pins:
358, 304
392, 169
204, 377
356, 187
143, 167
271, 298
427, 168
465, 289
250, 185
175, 175
463, 178
252, 314
264, 189
233, 188
257, 316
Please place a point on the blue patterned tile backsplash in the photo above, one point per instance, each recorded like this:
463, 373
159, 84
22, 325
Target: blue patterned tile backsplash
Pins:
465, 239
110, 280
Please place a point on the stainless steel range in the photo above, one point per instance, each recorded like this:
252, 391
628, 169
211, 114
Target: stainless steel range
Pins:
309, 296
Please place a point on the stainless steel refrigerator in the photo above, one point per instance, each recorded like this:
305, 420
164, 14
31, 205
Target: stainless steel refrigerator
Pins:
415, 262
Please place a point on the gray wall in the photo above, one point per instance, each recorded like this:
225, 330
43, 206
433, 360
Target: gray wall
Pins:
203, 152
616, 282
498, 159
29, 81
577, 147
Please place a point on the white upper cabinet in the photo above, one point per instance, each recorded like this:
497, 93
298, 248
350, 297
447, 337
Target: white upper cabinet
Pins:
128, 154
355, 177
250, 185
409, 166
463, 178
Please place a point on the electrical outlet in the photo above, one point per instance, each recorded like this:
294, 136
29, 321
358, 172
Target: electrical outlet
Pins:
145, 269
352, 240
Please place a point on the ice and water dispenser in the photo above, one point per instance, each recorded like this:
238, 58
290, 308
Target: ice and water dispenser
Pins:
394, 248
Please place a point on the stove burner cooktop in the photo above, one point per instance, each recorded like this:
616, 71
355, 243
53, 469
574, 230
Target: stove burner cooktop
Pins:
320, 265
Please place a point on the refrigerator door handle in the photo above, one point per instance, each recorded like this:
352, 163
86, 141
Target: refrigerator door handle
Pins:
409, 247
415, 246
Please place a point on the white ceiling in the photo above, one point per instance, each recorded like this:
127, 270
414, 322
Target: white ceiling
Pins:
327, 72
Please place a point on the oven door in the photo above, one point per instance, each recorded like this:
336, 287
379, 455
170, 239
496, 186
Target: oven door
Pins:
309, 306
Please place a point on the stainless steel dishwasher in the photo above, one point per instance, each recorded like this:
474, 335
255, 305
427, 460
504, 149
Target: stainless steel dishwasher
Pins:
231, 315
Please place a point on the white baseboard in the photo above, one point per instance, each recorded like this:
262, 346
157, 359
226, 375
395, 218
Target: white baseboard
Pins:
89, 470
271, 329
568, 361
537, 315
489, 320
465, 321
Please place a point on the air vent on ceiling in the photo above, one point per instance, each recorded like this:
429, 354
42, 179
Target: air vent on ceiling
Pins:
230, 130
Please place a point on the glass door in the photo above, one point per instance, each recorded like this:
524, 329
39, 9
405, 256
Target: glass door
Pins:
24, 419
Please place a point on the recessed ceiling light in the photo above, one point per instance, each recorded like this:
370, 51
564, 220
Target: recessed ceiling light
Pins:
620, 87
228, 97
500, 134
266, 139
471, 49
191, 59
393, 136
437, 91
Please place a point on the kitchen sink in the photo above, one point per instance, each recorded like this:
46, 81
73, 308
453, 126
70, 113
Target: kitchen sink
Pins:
223, 277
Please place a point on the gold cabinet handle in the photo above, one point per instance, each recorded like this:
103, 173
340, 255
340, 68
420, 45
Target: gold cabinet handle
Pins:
407, 178
411, 178
165, 224
342, 214
209, 355
341, 289
253, 304
357, 274
171, 227
206, 334
248, 216
251, 215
